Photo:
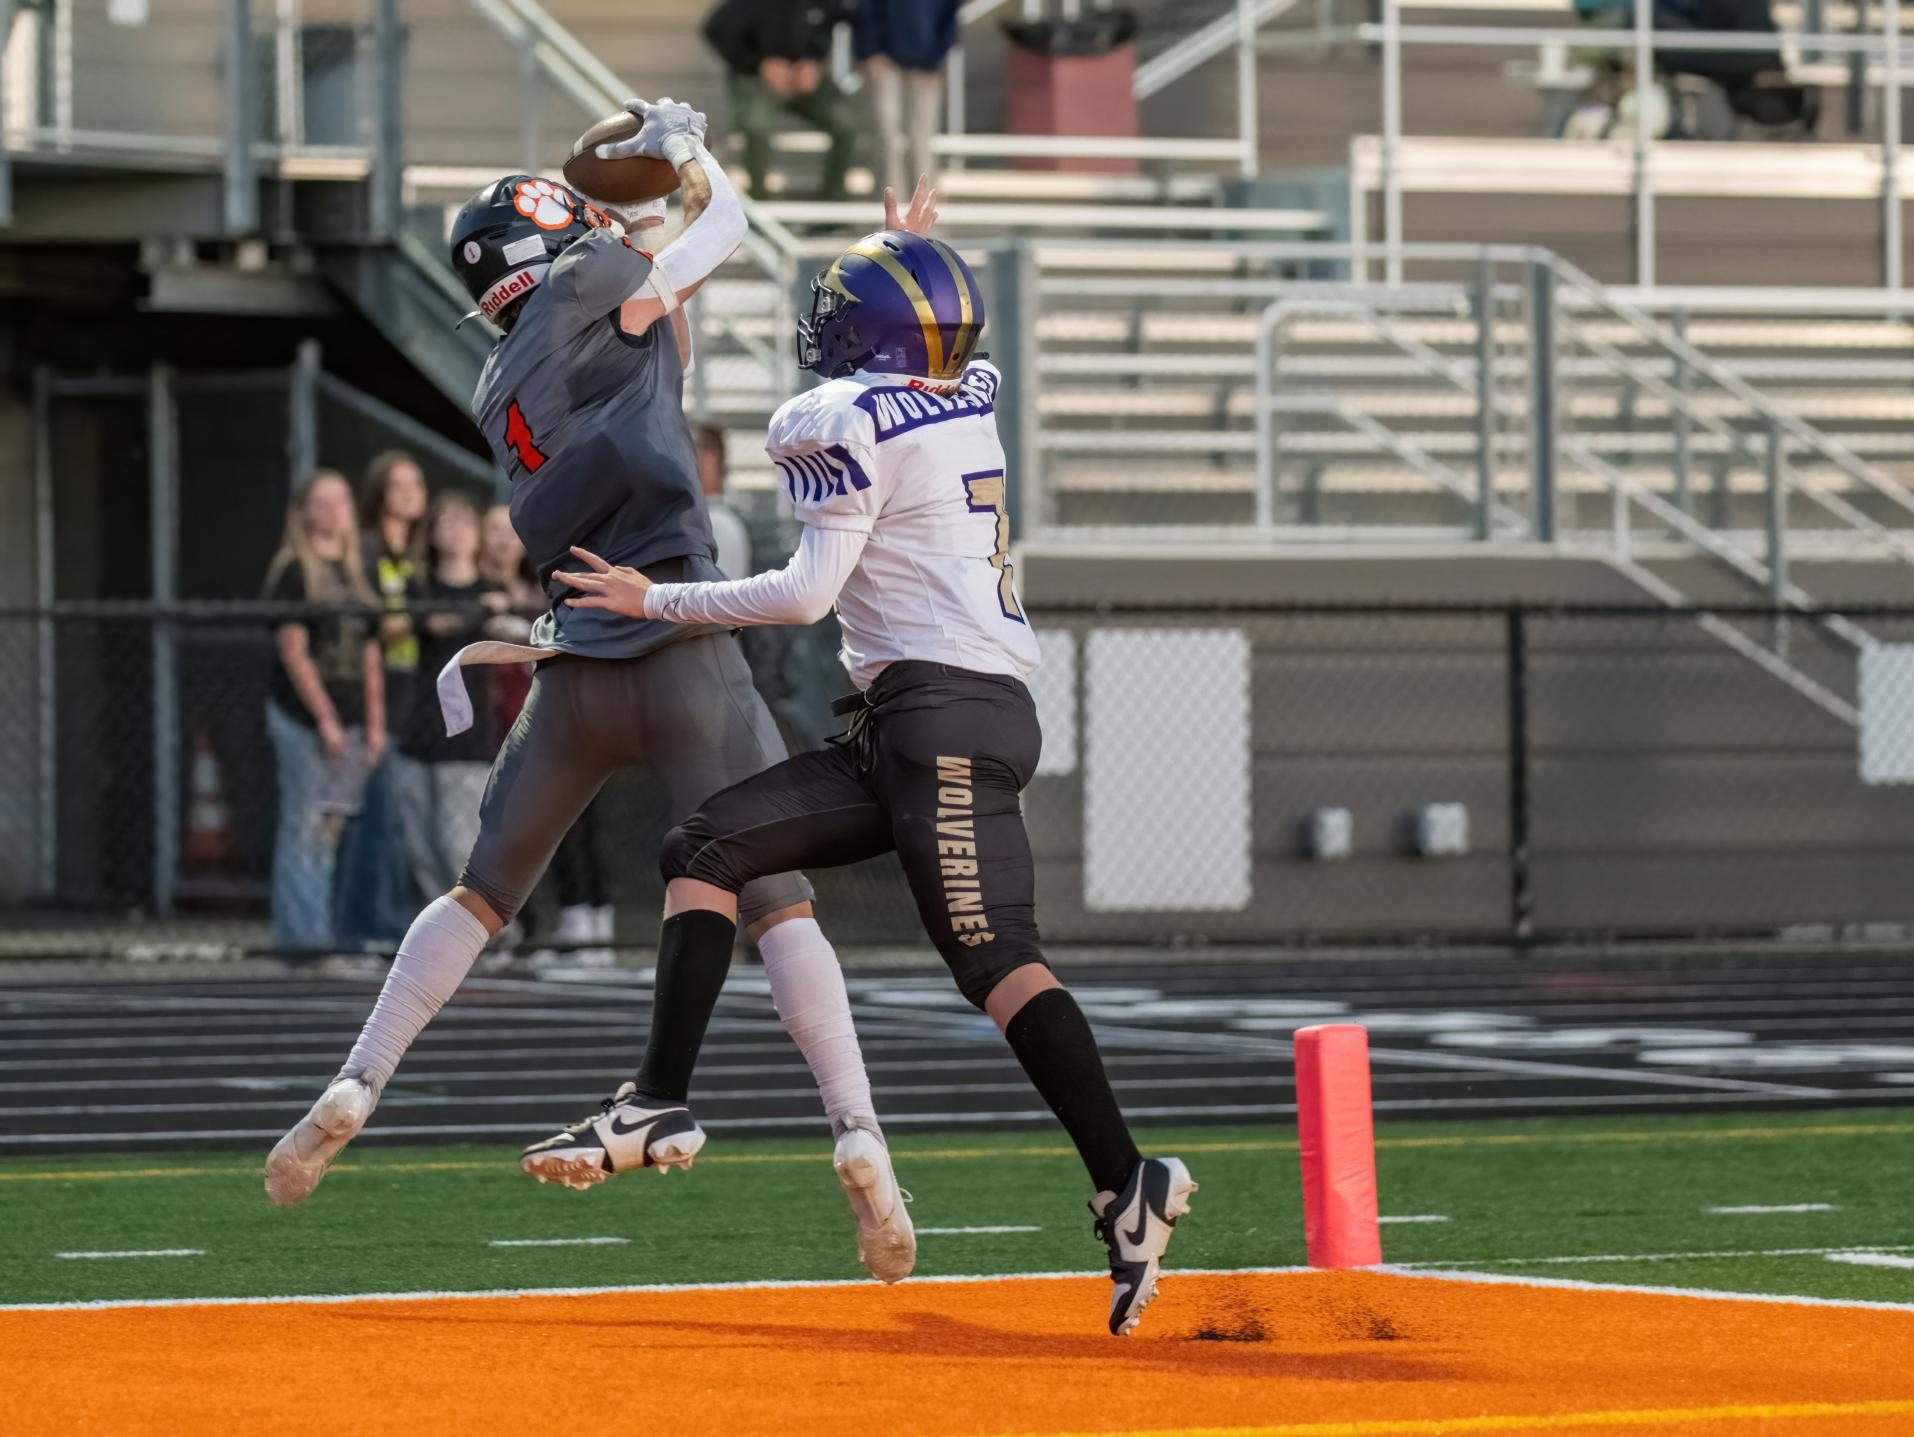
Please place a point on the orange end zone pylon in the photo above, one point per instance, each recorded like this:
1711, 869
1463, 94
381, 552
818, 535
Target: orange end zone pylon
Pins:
1338, 1145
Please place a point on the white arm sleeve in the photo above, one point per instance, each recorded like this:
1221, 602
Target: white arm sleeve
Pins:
802, 592
706, 242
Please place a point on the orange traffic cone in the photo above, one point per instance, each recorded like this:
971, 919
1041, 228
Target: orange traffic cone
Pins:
209, 830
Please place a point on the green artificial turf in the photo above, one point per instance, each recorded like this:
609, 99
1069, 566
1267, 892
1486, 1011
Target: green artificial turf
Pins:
1513, 1193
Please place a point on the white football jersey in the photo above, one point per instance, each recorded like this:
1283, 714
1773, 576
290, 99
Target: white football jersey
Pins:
923, 475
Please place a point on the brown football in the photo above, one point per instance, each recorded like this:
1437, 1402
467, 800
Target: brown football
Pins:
621, 182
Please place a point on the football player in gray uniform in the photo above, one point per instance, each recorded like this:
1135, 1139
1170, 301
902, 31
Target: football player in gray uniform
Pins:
582, 403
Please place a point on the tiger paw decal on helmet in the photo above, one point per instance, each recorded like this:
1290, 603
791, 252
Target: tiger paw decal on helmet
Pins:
544, 204
507, 236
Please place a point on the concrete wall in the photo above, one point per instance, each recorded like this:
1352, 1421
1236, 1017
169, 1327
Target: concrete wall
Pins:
1673, 785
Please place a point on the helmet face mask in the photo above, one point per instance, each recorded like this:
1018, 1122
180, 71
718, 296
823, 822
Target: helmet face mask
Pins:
827, 300
894, 303
507, 235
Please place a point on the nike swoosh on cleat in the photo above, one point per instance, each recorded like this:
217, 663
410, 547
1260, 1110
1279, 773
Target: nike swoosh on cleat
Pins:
619, 1127
1135, 1239
1161, 1178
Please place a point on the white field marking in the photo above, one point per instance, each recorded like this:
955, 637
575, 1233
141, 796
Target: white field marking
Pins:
1871, 1259
796, 1284
558, 1242
307, 1048
1757, 1209
1387, 1270
1432, 1058
1706, 1294
402, 1099
143, 1252
569, 1078
1663, 1256
1415, 1217
1026, 1115
960, 1231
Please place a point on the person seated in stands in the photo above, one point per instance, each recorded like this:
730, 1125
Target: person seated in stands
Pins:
1750, 85
778, 53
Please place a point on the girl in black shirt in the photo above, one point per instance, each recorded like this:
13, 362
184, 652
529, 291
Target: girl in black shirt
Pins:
325, 711
444, 778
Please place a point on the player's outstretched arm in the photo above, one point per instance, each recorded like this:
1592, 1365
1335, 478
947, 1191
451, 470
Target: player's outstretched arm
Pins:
714, 226
802, 592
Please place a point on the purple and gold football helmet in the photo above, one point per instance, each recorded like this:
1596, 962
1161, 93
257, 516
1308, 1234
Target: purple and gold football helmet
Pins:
893, 303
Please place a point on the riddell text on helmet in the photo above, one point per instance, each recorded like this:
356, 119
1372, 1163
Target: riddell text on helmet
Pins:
520, 282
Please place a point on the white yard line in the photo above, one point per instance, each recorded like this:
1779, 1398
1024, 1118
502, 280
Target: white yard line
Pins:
1654, 1256
1414, 1217
961, 1231
559, 1242
1571, 1284
329, 1298
1396, 1270
1757, 1210
1871, 1259
140, 1252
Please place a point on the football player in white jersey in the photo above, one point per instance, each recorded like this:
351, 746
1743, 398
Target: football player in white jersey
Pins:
895, 468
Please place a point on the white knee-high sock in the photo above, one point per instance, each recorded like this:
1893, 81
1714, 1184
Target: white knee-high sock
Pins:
439, 950
807, 988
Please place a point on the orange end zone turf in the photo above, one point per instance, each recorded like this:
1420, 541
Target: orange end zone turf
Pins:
1342, 1354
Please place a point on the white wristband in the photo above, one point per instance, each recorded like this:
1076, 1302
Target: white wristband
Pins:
679, 149
660, 284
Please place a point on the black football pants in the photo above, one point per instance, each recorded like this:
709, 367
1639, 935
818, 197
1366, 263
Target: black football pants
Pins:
931, 770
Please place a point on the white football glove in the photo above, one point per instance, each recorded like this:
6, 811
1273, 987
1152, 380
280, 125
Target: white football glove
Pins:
669, 131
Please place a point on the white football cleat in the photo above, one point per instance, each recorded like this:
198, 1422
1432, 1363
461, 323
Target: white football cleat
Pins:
886, 1241
1136, 1225
625, 1135
300, 1159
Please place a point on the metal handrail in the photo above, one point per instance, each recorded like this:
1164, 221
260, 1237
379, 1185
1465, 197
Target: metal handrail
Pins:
1268, 404
1201, 46
1642, 40
1802, 433
592, 85
558, 55
1720, 629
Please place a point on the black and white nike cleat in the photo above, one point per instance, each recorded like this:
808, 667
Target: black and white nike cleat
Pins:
623, 1136
1136, 1225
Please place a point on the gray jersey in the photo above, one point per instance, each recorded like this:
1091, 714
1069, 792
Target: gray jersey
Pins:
589, 425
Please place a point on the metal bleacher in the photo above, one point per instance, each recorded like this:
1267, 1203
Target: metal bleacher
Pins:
1138, 328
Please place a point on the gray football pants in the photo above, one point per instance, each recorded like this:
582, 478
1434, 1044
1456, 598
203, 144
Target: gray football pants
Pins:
687, 710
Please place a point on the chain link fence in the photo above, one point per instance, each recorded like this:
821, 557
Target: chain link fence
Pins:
1271, 775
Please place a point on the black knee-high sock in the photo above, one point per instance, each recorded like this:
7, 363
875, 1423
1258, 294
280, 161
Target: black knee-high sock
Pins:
694, 951
1052, 1039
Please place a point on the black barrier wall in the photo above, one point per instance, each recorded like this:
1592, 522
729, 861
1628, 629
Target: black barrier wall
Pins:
1250, 774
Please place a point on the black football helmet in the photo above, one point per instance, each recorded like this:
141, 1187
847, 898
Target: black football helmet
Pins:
507, 235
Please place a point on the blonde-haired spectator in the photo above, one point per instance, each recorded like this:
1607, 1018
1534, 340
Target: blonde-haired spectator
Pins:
325, 711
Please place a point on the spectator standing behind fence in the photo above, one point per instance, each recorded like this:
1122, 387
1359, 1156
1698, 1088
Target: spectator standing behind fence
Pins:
901, 46
778, 53
375, 898
578, 866
442, 777
325, 710
727, 525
